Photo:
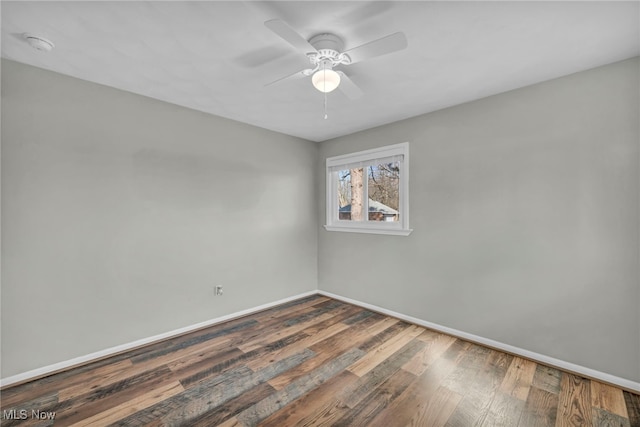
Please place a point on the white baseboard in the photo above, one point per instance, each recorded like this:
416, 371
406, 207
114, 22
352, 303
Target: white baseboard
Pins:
557, 363
46, 370
546, 360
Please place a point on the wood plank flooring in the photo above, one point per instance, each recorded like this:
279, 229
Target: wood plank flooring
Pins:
317, 362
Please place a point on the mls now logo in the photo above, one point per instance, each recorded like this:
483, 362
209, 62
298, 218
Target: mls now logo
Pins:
23, 414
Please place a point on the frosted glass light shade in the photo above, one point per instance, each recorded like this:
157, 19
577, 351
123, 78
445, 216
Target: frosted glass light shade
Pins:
325, 80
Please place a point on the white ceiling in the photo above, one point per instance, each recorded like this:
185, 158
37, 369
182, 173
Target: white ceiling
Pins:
217, 56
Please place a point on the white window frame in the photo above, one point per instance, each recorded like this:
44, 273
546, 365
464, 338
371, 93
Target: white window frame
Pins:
400, 227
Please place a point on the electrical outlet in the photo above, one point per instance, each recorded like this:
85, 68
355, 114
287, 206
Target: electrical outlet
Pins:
218, 290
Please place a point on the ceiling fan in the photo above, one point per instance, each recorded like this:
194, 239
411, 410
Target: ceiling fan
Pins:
325, 51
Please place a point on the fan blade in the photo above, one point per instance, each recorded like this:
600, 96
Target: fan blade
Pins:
388, 44
290, 35
296, 75
348, 87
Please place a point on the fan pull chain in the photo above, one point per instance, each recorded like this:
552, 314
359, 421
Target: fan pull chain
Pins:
325, 106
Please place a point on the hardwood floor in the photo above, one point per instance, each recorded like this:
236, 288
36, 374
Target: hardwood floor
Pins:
317, 361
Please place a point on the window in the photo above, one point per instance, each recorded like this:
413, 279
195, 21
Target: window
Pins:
368, 191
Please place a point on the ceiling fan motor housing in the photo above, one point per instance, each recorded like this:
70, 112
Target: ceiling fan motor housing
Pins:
329, 47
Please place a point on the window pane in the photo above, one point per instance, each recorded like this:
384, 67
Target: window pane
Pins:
383, 185
350, 187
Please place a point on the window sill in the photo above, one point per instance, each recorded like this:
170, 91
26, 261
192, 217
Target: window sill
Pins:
388, 231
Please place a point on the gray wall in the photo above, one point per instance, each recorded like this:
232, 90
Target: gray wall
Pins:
525, 213
120, 214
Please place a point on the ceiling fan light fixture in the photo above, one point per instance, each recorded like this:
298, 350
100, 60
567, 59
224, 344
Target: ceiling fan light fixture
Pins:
325, 80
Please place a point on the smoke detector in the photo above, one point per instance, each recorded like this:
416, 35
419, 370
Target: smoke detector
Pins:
39, 43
